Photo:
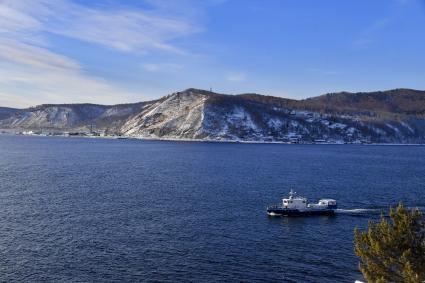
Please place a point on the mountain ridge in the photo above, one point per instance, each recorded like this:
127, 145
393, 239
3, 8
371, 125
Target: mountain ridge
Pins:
396, 115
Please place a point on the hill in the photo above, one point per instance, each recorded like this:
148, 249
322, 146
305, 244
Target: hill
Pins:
388, 116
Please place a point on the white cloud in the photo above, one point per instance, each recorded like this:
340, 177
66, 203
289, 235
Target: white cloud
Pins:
236, 77
34, 56
161, 67
32, 72
33, 75
123, 29
12, 19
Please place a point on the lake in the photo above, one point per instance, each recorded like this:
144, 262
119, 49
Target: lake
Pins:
104, 210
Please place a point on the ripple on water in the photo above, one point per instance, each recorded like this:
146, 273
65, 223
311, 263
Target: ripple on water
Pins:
83, 210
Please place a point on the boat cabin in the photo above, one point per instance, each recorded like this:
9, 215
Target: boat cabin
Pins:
294, 202
329, 203
301, 203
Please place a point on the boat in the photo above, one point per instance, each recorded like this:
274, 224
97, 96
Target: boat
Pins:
296, 205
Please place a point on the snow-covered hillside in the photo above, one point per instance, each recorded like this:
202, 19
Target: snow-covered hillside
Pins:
66, 117
179, 115
199, 114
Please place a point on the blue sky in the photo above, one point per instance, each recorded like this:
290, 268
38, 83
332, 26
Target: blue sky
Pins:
116, 51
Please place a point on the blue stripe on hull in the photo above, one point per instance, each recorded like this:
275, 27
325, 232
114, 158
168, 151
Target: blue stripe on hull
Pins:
296, 212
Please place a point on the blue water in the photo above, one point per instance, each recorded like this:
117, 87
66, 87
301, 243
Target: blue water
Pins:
94, 210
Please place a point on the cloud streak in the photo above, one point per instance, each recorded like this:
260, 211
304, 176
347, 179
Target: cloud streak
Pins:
161, 67
29, 73
32, 72
122, 29
236, 77
33, 56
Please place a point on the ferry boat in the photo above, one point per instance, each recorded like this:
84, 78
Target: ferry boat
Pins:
298, 206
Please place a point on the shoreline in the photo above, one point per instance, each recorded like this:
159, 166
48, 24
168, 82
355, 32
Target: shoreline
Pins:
207, 140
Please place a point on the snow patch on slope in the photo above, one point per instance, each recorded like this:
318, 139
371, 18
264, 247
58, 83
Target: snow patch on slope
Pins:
179, 115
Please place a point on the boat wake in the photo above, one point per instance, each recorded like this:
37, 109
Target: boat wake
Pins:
369, 211
358, 211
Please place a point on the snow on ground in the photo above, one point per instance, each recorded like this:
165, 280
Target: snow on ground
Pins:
351, 130
294, 123
324, 122
242, 117
275, 123
116, 111
337, 126
394, 128
378, 131
407, 126
177, 115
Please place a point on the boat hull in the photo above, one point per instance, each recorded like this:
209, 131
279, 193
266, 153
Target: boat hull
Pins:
296, 212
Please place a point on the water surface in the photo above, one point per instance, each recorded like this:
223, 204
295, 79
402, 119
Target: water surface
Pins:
98, 210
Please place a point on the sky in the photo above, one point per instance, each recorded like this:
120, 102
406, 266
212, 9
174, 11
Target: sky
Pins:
121, 51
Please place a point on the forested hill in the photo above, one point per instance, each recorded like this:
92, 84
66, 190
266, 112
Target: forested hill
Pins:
396, 116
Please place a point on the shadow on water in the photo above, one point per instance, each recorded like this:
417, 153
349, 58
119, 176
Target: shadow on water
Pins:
303, 221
